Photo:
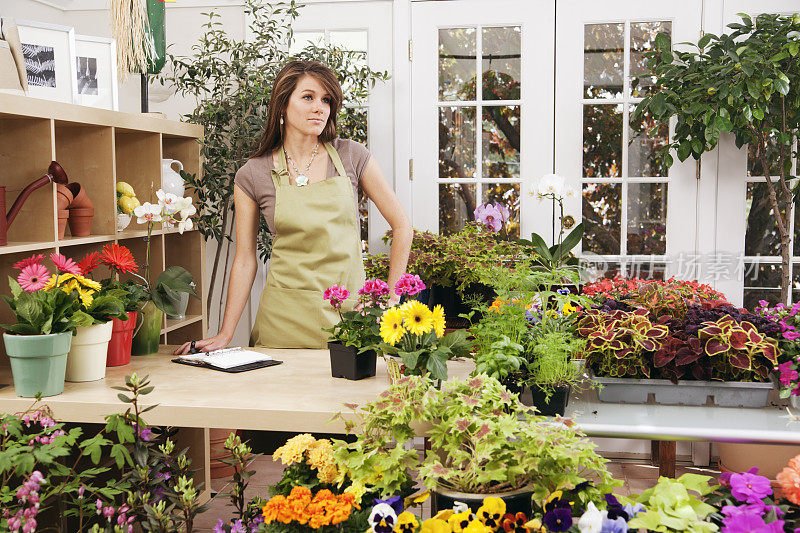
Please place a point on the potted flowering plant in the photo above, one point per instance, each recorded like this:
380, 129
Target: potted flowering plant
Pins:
161, 296
352, 339
416, 334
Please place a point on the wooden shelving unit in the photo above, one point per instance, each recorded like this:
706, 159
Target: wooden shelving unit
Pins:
97, 148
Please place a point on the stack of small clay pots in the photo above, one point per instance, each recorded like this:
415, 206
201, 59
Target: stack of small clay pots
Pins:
74, 206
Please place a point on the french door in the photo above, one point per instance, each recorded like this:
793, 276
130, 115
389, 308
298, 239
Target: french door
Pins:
482, 105
639, 217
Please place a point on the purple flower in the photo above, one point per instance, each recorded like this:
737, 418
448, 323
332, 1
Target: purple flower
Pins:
633, 511
749, 487
615, 509
750, 523
491, 215
791, 335
219, 527
238, 527
558, 519
563, 291
617, 525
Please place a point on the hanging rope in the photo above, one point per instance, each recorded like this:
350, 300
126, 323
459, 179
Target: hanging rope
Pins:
131, 28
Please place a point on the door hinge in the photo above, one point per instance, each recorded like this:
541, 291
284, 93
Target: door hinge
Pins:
411, 169
410, 50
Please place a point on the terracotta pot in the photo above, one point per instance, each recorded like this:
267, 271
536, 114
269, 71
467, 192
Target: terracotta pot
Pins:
64, 197
63, 215
80, 198
119, 348
217, 438
769, 458
80, 221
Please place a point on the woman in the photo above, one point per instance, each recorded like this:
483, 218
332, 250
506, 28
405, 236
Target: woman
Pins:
303, 180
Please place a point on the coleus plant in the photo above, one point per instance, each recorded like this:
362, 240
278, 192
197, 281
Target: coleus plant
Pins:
618, 342
738, 350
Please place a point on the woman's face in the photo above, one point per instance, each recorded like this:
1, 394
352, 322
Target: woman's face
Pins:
309, 107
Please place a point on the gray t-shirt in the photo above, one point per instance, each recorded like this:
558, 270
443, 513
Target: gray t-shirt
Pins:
255, 180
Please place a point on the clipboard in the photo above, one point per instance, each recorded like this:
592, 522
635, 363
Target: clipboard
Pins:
225, 360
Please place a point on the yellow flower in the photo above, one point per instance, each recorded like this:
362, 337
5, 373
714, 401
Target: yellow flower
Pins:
569, 309
534, 526
434, 525
392, 329
62, 280
476, 526
406, 523
292, 452
320, 454
86, 296
357, 489
89, 283
491, 512
438, 320
460, 521
417, 318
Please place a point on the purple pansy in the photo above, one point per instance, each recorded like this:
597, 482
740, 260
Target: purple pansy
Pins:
749, 487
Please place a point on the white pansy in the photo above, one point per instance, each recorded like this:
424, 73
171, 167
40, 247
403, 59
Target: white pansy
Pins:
170, 202
147, 213
592, 520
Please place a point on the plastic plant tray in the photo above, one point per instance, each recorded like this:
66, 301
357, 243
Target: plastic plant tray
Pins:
723, 394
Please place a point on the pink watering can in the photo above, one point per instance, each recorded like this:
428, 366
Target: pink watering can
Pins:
54, 174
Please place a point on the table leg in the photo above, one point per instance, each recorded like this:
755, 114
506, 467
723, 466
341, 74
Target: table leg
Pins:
666, 458
196, 439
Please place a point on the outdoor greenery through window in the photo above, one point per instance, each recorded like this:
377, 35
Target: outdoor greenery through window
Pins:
479, 123
624, 187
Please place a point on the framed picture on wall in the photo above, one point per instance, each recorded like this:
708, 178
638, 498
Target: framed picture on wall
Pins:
49, 51
96, 71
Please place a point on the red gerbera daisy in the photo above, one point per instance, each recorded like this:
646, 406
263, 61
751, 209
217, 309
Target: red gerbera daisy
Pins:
89, 262
32, 260
118, 257
65, 264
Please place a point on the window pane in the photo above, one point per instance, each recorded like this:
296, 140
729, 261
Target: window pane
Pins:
301, 39
643, 36
501, 142
761, 236
601, 218
645, 270
603, 59
594, 269
643, 157
501, 62
753, 296
602, 141
456, 206
456, 142
647, 218
762, 281
506, 194
457, 64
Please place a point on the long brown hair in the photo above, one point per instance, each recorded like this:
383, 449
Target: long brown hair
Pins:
282, 89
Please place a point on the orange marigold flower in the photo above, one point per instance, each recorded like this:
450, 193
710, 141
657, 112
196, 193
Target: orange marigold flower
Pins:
277, 508
789, 479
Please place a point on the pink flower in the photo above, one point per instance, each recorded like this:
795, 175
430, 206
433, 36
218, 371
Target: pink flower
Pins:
489, 215
32, 260
788, 374
65, 264
33, 277
336, 295
368, 287
791, 335
750, 488
409, 284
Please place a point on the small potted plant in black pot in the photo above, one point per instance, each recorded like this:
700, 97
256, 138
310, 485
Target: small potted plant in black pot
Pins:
552, 372
358, 330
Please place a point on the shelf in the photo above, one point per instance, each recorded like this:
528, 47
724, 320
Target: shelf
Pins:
173, 324
137, 233
21, 247
75, 241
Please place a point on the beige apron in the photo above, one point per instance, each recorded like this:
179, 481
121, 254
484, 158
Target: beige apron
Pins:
317, 244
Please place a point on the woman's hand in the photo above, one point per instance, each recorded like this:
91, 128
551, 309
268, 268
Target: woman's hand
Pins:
394, 299
206, 345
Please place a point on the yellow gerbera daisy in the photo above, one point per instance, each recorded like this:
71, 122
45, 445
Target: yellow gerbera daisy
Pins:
89, 283
86, 296
438, 320
392, 329
417, 318
62, 280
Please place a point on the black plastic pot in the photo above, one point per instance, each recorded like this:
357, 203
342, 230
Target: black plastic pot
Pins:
518, 501
557, 404
347, 363
454, 304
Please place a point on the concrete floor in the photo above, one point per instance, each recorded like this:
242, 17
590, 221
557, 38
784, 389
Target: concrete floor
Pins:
638, 476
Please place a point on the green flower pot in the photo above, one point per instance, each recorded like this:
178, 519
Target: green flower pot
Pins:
146, 339
38, 362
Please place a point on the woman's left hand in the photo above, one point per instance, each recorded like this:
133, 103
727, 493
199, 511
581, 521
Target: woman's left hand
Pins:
394, 299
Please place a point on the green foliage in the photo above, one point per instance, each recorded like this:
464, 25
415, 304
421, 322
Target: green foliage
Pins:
670, 506
131, 294
558, 255
551, 363
427, 353
231, 80
480, 441
168, 288
746, 83
360, 329
106, 304
42, 312
503, 357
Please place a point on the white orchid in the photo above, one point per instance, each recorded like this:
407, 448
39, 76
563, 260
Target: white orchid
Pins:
170, 202
189, 210
551, 184
185, 225
592, 520
148, 213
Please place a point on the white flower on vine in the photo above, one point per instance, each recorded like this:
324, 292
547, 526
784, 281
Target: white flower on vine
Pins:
148, 213
551, 185
170, 202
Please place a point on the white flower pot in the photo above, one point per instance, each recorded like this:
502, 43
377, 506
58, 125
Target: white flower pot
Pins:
87, 356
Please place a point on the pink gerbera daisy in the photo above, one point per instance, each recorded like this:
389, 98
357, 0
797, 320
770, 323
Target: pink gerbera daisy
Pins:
32, 260
65, 264
33, 277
